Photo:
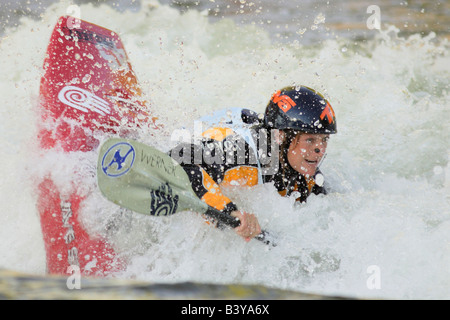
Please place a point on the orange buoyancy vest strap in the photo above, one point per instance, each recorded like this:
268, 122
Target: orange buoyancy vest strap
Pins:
241, 176
218, 134
310, 183
213, 195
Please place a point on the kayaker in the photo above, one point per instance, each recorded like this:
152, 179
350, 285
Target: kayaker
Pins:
285, 147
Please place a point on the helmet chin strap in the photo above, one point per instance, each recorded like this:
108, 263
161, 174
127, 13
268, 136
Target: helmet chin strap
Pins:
321, 160
318, 178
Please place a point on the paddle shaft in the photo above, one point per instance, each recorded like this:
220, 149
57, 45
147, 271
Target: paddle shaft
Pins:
234, 222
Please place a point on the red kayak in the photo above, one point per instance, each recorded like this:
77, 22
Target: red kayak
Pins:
88, 87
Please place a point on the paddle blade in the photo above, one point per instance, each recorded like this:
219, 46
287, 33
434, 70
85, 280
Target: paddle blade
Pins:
145, 180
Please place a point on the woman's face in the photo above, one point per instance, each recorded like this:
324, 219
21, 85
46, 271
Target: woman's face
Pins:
306, 151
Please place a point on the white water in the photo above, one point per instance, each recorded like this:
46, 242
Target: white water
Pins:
388, 165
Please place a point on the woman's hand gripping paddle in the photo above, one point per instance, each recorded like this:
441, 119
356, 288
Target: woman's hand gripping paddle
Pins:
145, 180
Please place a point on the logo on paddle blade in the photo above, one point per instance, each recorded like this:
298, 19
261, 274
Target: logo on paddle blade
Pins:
118, 160
163, 203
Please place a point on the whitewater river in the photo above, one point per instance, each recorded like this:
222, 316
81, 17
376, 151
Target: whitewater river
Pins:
383, 231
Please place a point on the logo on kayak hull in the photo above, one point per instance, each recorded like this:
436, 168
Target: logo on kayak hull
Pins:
83, 100
118, 160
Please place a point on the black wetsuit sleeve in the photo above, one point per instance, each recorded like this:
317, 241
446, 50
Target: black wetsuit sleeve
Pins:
205, 175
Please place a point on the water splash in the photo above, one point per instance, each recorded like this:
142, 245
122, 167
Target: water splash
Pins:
387, 167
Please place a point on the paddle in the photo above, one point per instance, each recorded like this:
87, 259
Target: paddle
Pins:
145, 180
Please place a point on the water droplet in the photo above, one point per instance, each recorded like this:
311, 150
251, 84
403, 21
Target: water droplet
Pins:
86, 78
438, 170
